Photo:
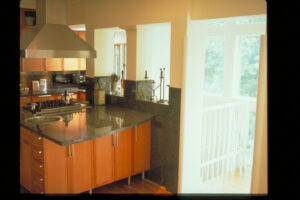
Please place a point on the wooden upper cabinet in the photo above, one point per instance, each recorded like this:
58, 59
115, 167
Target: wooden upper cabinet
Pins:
32, 64
141, 148
81, 34
54, 64
104, 160
122, 142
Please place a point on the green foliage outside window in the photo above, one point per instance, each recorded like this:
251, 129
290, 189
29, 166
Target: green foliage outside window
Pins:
214, 62
249, 62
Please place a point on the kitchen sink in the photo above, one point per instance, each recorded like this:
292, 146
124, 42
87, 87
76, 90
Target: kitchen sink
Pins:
43, 119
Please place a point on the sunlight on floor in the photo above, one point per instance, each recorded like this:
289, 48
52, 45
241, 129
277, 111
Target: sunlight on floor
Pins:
234, 183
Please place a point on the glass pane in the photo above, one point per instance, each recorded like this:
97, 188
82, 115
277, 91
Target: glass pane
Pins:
216, 22
251, 20
214, 62
117, 50
249, 47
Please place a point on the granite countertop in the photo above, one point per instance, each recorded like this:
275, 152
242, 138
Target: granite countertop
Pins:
90, 123
52, 91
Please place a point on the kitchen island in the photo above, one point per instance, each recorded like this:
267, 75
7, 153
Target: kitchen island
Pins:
83, 150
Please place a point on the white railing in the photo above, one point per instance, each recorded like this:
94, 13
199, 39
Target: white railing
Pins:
224, 135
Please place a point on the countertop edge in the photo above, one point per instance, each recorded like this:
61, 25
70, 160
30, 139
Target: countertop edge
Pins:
89, 138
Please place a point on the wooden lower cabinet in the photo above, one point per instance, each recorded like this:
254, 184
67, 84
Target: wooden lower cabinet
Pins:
80, 167
122, 154
68, 169
141, 148
104, 160
25, 158
46, 167
112, 156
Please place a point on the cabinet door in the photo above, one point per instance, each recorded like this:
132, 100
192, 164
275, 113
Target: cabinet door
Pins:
32, 64
54, 64
56, 168
122, 141
25, 159
104, 160
81, 171
141, 148
71, 64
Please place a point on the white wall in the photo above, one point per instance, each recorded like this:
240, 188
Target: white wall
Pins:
104, 45
153, 53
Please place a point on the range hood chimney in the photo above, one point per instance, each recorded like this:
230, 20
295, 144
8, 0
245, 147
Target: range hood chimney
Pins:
51, 37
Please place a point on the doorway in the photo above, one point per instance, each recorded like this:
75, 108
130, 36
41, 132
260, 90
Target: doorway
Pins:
222, 66
231, 63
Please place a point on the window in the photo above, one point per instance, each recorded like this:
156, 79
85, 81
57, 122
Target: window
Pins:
214, 62
248, 65
117, 60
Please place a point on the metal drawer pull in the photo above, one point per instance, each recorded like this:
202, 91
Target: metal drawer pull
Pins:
42, 192
40, 152
39, 138
41, 179
117, 139
72, 150
41, 166
46, 95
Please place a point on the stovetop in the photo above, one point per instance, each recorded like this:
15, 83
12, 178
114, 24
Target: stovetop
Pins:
55, 106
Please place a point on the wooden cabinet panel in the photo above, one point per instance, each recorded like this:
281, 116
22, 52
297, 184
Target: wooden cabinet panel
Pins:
25, 165
71, 64
141, 148
56, 168
104, 160
54, 64
32, 64
81, 167
24, 101
82, 64
122, 154
82, 95
25, 159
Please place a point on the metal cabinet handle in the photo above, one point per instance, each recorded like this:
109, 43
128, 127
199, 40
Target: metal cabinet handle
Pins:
72, 150
41, 166
39, 138
40, 152
46, 95
135, 134
117, 139
41, 179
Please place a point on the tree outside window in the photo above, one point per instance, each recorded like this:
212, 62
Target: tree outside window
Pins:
249, 62
214, 64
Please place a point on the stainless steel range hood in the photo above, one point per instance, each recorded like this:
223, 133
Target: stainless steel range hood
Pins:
51, 37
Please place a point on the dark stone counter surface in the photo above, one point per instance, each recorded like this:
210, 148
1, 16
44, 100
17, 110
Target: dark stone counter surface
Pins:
52, 91
89, 123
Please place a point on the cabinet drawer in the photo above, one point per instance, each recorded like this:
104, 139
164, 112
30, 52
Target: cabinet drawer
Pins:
38, 181
37, 141
38, 154
38, 167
